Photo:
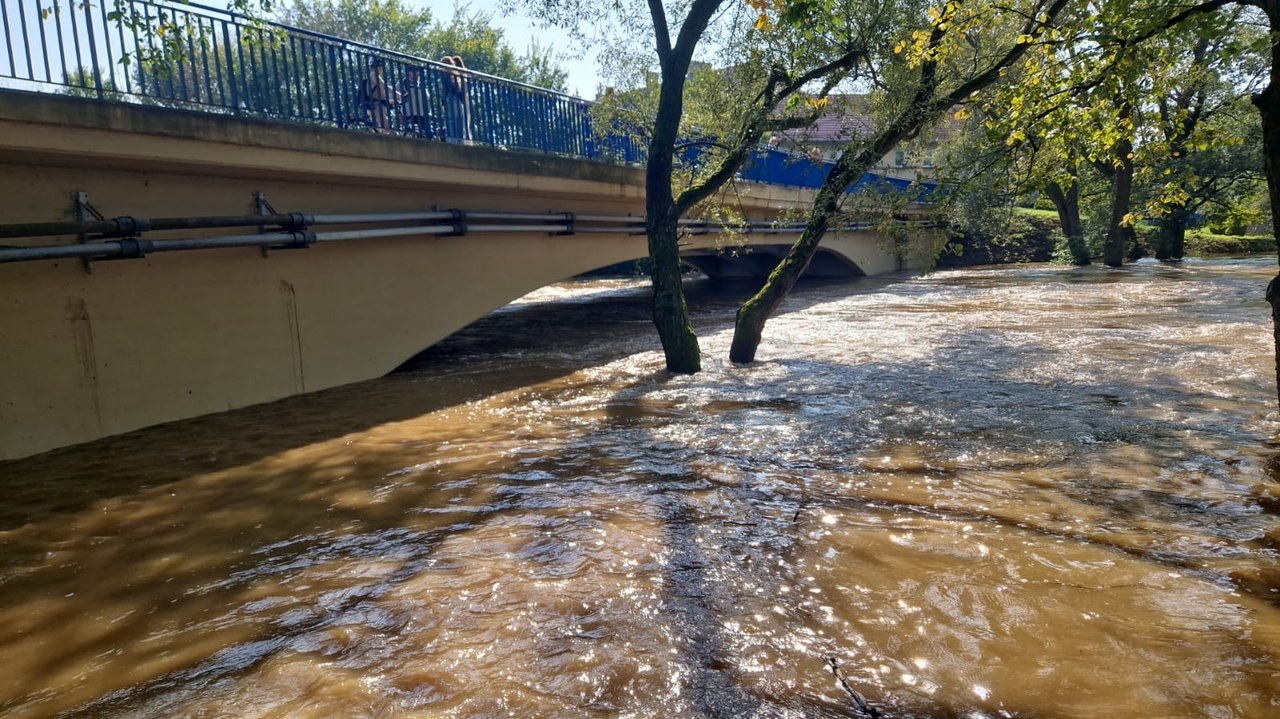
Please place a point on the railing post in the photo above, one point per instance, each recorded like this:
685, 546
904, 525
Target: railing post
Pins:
331, 61
233, 78
4, 18
93, 48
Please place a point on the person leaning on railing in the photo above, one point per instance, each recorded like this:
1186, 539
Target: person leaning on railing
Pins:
457, 102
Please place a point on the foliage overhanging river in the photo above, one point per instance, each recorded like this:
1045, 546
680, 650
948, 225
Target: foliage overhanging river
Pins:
1021, 492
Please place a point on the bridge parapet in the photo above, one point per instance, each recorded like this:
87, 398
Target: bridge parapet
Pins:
181, 55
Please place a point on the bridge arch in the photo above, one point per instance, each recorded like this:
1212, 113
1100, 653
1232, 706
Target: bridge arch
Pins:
166, 336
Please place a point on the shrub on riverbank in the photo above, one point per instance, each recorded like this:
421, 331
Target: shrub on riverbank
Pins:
1206, 243
1034, 235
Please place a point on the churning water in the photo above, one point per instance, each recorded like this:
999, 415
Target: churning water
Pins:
1022, 492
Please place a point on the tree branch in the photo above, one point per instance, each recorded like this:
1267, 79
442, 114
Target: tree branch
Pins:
694, 25
1178, 18
768, 100
660, 31
1033, 28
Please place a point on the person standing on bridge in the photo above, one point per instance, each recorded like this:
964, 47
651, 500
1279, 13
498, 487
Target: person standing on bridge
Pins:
457, 101
378, 97
415, 104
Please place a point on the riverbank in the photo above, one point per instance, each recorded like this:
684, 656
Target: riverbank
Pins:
1031, 235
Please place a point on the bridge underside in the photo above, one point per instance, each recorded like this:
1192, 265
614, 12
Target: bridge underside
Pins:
758, 260
168, 336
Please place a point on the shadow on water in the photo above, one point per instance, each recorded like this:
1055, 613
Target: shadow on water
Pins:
698, 599
752, 527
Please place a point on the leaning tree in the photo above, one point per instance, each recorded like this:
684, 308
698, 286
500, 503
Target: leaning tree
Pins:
942, 59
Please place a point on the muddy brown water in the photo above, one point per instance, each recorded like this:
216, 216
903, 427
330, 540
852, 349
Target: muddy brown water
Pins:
1017, 492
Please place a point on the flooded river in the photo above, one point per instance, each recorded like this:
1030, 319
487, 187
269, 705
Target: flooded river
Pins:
1022, 492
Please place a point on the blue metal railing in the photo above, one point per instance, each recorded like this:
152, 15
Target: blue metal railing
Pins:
189, 56
194, 57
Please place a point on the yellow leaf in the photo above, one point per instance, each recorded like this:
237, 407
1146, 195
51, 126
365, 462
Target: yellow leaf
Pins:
762, 22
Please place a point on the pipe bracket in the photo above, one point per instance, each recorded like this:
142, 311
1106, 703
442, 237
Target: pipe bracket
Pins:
297, 241
130, 226
569, 229
81, 210
459, 223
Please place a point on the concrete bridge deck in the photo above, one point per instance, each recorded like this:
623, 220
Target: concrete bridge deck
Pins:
167, 336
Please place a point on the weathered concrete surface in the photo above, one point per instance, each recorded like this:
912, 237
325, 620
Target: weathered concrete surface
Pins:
144, 341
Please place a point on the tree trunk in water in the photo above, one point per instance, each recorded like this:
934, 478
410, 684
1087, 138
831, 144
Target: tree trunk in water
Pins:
1134, 250
1173, 234
1067, 203
752, 315
670, 310
1117, 231
1268, 104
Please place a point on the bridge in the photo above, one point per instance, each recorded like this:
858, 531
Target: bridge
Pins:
164, 257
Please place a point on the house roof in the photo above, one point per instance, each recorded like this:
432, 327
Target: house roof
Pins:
846, 118
843, 120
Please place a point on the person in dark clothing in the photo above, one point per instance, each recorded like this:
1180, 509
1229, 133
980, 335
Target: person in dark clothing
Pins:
415, 104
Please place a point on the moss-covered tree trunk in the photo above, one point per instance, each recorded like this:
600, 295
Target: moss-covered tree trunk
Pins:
1268, 104
752, 315
1067, 202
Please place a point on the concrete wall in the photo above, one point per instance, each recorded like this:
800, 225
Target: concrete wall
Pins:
143, 341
